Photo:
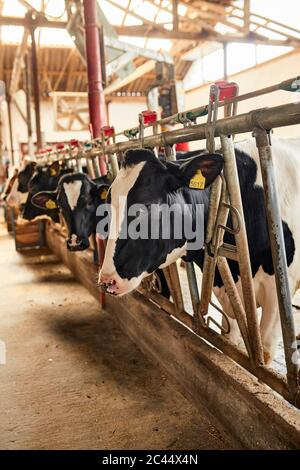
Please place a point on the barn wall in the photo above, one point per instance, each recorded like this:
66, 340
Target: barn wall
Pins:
122, 114
266, 74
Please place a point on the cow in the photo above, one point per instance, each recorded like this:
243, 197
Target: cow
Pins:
146, 180
24, 176
43, 178
9, 184
15, 198
78, 197
19, 188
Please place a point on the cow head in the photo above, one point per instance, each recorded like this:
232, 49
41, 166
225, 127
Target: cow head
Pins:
44, 178
24, 177
78, 198
147, 182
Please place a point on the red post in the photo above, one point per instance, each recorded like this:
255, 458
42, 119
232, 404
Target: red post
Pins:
97, 108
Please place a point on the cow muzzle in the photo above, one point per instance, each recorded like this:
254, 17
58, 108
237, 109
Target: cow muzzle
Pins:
76, 244
113, 284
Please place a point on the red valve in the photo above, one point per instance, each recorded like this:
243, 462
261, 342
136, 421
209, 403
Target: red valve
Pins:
228, 90
109, 131
60, 146
148, 116
48, 149
182, 147
74, 143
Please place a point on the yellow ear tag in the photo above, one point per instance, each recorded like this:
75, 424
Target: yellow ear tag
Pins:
198, 181
52, 172
103, 194
50, 204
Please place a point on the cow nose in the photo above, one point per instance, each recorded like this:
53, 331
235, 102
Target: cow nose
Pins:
108, 284
74, 242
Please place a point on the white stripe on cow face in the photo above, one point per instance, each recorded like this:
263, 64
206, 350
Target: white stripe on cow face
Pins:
72, 191
119, 189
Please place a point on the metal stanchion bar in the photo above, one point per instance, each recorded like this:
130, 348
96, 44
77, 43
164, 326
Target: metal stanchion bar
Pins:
173, 281
209, 259
235, 300
233, 187
279, 259
292, 84
277, 116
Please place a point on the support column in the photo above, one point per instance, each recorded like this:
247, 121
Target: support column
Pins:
225, 61
95, 91
36, 90
247, 16
8, 99
175, 15
28, 104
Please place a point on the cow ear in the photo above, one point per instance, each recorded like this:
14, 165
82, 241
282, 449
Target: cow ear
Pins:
45, 200
198, 172
100, 187
54, 169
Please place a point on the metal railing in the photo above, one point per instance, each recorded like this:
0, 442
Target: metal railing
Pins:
225, 198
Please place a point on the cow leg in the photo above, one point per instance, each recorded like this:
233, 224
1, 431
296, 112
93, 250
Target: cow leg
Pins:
234, 335
270, 330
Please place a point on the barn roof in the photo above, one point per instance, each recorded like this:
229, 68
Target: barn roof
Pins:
148, 23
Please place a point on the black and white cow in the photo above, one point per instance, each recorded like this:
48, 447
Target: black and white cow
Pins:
44, 178
146, 180
78, 197
25, 175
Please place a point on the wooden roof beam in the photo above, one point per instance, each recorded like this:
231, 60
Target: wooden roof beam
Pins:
145, 31
38, 22
18, 63
138, 73
265, 18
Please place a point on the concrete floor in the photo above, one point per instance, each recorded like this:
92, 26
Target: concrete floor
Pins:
72, 380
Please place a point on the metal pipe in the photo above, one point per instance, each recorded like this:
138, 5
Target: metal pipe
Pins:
235, 300
193, 286
173, 281
279, 258
90, 167
225, 61
233, 187
8, 99
217, 215
284, 85
96, 168
277, 116
28, 104
36, 90
97, 108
